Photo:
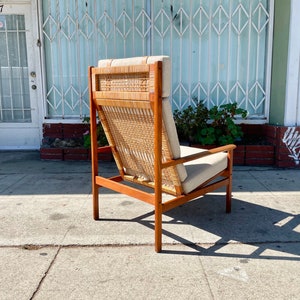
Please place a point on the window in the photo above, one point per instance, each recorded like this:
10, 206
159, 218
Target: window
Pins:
14, 81
220, 49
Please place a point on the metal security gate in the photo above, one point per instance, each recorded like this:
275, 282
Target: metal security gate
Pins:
220, 50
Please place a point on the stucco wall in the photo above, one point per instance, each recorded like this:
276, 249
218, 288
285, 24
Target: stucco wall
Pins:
279, 61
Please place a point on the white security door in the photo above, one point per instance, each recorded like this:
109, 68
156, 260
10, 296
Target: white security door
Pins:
19, 84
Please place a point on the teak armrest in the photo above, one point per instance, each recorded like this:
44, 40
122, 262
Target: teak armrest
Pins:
191, 157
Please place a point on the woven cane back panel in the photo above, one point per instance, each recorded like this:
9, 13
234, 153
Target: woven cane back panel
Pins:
129, 126
127, 83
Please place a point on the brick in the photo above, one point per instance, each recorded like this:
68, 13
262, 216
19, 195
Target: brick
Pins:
260, 152
270, 131
251, 161
53, 131
238, 161
287, 164
105, 157
259, 155
74, 130
75, 154
51, 153
239, 155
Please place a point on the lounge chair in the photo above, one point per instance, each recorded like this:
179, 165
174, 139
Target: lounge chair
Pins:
131, 97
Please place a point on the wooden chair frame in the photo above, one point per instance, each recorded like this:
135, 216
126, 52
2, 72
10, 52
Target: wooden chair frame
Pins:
153, 98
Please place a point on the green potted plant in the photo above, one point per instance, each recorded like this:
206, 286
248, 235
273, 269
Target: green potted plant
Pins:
190, 121
105, 153
101, 138
223, 130
216, 126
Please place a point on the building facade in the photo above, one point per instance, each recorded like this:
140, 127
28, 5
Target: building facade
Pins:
222, 51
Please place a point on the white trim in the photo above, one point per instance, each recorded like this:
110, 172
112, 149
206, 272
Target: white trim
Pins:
39, 75
16, 2
18, 148
292, 96
80, 121
63, 121
298, 103
269, 61
43, 102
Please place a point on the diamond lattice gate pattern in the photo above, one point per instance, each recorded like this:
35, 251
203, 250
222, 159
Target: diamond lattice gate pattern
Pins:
220, 50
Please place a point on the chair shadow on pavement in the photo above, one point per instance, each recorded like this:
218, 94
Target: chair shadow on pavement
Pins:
269, 233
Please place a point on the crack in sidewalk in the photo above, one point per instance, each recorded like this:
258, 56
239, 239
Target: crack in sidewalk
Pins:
45, 274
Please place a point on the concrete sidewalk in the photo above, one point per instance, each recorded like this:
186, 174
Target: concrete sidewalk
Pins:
51, 248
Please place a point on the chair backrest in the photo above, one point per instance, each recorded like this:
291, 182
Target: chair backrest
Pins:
124, 92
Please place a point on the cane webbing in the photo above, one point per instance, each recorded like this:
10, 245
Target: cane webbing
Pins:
122, 97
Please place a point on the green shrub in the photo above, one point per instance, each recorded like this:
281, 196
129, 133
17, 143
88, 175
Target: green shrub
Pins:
190, 121
101, 137
209, 127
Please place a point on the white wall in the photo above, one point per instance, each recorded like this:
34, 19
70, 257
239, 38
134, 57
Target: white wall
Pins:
292, 103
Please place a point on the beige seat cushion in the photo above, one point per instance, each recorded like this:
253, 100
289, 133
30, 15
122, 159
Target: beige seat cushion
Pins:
166, 106
202, 169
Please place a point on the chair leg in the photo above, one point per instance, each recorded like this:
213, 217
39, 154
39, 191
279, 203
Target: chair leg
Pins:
95, 201
158, 229
228, 196
229, 186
